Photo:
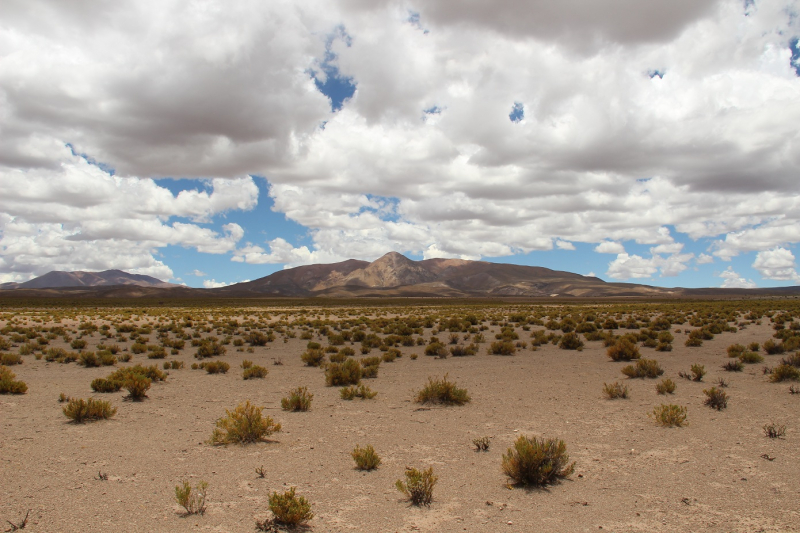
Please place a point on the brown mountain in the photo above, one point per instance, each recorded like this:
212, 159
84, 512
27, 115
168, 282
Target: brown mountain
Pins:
60, 279
396, 275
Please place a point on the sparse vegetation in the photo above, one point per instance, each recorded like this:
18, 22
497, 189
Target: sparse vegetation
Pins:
298, 400
481, 444
666, 386
193, 500
716, 398
418, 485
255, 372
290, 509
357, 391
623, 350
774, 431
346, 373
80, 410
365, 458
442, 391
615, 390
537, 461
9, 383
670, 415
644, 368
243, 425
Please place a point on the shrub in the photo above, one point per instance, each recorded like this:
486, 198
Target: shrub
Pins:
418, 485
243, 425
8, 383
347, 373
193, 500
106, 385
665, 386
258, 338
716, 398
753, 346
9, 359
79, 410
216, 367
255, 372
390, 355
290, 509
313, 357
733, 366
365, 458
156, 352
137, 387
784, 372
623, 350
442, 391
774, 431
460, 350
735, 350
298, 400
138, 348
537, 461
615, 390
360, 391
669, 415
697, 373
644, 368
78, 344
502, 348
751, 358
209, 348
481, 444
88, 359
436, 348
773, 348
571, 341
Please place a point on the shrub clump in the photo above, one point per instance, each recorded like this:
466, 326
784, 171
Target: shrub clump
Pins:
644, 368
665, 386
357, 391
733, 366
290, 509
774, 431
243, 425
9, 359
365, 458
615, 390
537, 461
193, 500
697, 373
346, 373
209, 348
80, 410
751, 358
784, 372
255, 372
298, 400
623, 350
8, 383
669, 415
571, 341
313, 357
716, 398
442, 391
418, 485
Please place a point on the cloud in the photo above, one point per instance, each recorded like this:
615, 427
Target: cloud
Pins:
198, 273
732, 280
608, 247
704, 259
564, 245
214, 284
627, 266
778, 264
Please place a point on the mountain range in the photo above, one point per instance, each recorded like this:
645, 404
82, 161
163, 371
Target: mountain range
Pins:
392, 275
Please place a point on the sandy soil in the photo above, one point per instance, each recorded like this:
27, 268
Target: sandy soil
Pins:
631, 475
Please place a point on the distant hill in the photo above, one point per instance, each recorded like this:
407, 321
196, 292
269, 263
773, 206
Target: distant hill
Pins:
58, 279
396, 275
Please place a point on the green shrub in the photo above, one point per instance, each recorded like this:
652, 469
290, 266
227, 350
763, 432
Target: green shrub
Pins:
79, 410
8, 383
615, 390
665, 386
365, 458
698, 371
442, 391
298, 400
193, 500
571, 341
290, 509
751, 358
784, 372
644, 368
313, 357
137, 387
537, 461
106, 385
346, 373
735, 350
502, 348
255, 372
138, 348
418, 486
623, 350
669, 415
243, 425
716, 398
359, 391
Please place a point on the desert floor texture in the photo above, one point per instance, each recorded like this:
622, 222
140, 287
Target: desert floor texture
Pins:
720, 473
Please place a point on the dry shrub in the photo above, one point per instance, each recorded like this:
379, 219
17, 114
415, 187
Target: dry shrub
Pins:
255, 372
359, 391
290, 509
537, 461
365, 458
193, 500
313, 357
8, 383
644, 368
442, 391
243, 425
665, 386
9, 359
774, 431
80, 410
733, 366
418, 485
137, 387
346, 373
669, 415
216, 367
751, 358
716, 398
784, 372
571, 341
481, 444
615, 390
502, 348
298, 400
623, 350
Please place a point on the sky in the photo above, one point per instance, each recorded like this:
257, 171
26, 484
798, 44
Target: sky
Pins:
209, 142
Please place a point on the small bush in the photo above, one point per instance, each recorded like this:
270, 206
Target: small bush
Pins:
615, 390
258, 338
502, 348
571, 341
784, 372
346, 373
290, 509
537, 461
255, 372
365, 458
773, 348
442, 391
623, 350
644, 368
751, 358
360, 391
774, 431
193, 500
156, 352
665, 386
669, 415
733, 366
313, 357
436, 348
418, 485
106, 385
735, 350
243, 425
481, 444
8, 383
79, 410
216, 367
754, 346
137, 387
716, 398
209, 348
698, 371
298, 400
10, 359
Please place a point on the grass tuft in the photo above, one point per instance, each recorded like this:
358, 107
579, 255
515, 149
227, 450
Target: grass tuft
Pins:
192, 499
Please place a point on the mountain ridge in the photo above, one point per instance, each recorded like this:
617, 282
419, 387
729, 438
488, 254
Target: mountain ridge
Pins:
59, 279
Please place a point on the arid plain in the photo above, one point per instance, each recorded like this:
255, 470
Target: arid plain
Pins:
718, 473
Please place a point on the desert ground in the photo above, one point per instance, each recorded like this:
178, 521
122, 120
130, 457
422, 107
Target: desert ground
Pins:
717, 473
